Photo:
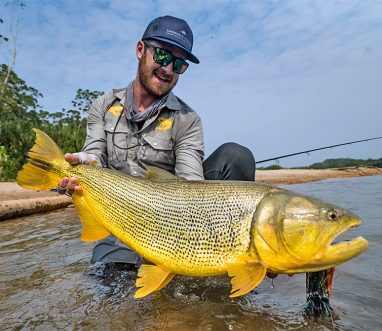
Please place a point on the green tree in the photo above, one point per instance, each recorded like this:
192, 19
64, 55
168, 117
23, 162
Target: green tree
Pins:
68, 127
20, 112
83, 100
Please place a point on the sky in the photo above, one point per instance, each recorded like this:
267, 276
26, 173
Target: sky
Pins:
275, 76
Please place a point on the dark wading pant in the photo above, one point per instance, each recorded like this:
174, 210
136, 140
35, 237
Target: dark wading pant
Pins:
229, 162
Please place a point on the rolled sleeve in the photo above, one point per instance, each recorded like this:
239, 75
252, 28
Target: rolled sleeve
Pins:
189, 147
95, 142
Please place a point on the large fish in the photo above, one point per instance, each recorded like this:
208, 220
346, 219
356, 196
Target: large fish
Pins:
199, 228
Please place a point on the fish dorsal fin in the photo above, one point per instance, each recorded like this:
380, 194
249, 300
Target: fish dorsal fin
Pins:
246, 273
155, 173
92, 230
151, 278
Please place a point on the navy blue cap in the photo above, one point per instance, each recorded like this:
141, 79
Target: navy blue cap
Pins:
174, 31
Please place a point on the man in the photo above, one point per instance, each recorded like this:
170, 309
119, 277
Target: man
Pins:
145, 124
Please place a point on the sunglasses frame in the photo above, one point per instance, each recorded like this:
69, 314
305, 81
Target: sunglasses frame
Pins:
178, 63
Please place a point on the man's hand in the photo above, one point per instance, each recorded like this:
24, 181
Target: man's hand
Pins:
72, 158
67, 185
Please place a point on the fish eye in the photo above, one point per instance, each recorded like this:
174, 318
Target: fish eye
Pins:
332, 215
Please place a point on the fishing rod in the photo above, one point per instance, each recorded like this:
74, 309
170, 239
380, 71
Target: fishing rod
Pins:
316, 149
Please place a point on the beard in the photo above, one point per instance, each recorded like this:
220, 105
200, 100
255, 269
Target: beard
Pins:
155, 81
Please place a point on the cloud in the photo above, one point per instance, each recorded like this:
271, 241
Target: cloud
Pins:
276, 76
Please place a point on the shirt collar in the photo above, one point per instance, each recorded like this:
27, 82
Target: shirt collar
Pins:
172, 102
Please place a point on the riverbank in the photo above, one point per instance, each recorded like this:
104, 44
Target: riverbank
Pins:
297, 176
16, 201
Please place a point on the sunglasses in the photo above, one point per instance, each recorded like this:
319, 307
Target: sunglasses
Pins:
164, 58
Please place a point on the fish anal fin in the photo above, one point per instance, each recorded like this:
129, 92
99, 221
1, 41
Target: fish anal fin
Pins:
246, 275
155, 173
166, 281
151, 278
92, 230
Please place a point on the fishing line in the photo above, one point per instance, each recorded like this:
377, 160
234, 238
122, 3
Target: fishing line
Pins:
316, 149
114, 152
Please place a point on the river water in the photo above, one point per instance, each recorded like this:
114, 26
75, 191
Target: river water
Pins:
46, 282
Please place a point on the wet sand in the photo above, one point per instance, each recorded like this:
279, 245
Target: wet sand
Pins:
11, 191
12, 195
16, 201
297, 176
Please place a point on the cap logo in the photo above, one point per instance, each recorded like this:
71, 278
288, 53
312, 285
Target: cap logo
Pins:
184, 32
178, 35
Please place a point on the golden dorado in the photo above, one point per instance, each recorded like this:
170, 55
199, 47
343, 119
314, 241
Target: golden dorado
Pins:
199, 228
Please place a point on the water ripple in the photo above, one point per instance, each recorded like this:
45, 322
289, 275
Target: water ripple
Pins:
46, 282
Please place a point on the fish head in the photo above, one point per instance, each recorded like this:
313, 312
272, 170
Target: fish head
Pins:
295, 233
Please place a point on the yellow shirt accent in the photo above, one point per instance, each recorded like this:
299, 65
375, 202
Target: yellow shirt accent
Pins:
115, 110
164, 124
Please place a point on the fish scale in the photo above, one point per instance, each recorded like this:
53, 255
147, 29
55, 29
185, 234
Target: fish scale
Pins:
199, 228
193, 237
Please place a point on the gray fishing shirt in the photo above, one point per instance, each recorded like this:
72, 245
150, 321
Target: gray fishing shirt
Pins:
172, 139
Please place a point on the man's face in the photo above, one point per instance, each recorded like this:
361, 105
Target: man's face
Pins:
157, 80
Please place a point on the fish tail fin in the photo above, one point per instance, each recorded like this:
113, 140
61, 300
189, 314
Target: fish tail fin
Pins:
46, 164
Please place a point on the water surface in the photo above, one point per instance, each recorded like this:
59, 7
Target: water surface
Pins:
46, 281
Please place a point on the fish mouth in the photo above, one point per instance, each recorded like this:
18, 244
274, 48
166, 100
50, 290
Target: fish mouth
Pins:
339, 252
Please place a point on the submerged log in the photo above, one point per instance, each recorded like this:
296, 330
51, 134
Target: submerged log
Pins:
18, 208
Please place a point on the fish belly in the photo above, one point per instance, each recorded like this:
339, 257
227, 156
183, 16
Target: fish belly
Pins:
189, 227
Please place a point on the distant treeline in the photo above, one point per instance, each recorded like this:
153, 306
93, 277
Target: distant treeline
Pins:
20, 112
334, 163
341, 163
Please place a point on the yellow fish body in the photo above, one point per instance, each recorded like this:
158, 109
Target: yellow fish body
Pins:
199, 228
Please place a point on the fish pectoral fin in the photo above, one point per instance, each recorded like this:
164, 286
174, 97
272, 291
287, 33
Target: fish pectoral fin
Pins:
246, 275
151, 278
92, 230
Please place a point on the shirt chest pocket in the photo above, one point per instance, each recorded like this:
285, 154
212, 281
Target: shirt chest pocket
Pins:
158, 151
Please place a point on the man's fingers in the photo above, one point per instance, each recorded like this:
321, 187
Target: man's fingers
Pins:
71, 186
71, 158
63, 182
68, 186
